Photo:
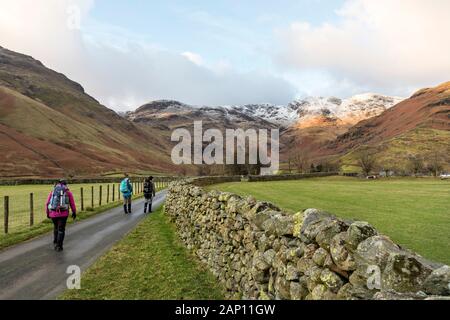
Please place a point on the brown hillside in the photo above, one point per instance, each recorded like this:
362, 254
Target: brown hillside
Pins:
428, 108
50, 127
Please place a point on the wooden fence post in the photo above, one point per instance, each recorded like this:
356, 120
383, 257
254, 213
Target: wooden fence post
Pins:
118, 194
82, 199
100, 196
113, 192
31, 210
6, 207
92, 197
107, 194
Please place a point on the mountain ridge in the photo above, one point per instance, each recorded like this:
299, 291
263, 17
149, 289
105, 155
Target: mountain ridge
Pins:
49, 126
349, 110
44, 115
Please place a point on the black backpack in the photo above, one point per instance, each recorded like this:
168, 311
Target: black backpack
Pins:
148, 187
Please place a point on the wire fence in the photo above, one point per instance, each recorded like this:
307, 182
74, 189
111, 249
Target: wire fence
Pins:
23, 206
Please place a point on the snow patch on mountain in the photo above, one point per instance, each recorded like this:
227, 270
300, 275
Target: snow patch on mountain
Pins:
351, 110
361, 106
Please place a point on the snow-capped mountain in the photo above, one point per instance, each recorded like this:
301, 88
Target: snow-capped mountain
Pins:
302, 112
307, 112
173, 114
307, 124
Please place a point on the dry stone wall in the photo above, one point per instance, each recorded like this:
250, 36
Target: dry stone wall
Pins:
260, 252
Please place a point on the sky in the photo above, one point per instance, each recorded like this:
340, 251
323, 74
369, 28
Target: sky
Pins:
225, 52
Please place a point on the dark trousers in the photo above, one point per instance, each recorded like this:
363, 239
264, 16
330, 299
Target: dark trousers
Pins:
127, 204
148, 203
59, 230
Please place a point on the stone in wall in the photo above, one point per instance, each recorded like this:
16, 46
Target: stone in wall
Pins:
260, 252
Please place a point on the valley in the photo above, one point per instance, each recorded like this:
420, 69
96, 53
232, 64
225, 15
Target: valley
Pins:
49, 127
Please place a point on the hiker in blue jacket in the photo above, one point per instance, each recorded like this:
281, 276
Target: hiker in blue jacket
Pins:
126, 187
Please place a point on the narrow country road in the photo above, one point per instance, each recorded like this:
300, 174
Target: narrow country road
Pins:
33, 270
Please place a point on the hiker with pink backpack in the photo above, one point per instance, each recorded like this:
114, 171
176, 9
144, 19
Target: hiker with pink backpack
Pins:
59, 202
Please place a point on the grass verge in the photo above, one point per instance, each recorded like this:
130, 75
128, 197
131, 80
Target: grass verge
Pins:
149, 264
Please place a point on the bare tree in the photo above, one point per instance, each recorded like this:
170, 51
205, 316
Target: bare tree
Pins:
289, 162
366, 161
301, 162
300, 159
434, 163
416, 164
328, 166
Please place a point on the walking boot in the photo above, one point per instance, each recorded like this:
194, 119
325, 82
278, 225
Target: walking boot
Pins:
145, 208
129, 208
125, 209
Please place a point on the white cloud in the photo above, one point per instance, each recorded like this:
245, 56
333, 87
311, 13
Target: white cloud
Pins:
385, 45
193, 57
125, 70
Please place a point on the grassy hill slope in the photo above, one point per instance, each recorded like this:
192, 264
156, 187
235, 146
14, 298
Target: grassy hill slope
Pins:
50, 127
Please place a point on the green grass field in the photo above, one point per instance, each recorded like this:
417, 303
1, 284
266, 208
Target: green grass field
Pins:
413, 212
150, 263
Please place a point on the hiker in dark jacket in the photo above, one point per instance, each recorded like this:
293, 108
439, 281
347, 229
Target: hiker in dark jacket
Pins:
149, 193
